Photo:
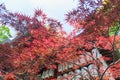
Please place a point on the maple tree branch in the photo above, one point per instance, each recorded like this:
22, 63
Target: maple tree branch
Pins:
108, 68
113, 53
96, 62
78, 75
18, 77
114, 43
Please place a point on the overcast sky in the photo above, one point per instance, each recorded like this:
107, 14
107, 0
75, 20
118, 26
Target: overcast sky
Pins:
53, 8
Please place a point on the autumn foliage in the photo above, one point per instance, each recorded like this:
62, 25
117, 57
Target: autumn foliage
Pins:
41, 41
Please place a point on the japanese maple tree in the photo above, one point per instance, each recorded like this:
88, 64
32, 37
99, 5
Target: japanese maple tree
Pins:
41, 42
96, 22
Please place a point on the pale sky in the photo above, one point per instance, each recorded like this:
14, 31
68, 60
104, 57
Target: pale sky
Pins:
53, 8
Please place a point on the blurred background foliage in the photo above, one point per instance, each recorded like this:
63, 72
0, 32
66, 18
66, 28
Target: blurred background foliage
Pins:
4, 34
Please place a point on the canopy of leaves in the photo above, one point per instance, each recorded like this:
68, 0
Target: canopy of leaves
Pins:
41, 42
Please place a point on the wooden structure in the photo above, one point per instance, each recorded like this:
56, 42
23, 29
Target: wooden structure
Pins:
77, 69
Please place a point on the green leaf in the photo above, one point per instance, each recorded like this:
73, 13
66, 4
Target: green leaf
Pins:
115, 29
4, 33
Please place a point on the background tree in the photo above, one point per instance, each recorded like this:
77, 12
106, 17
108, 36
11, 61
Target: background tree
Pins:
4, 33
